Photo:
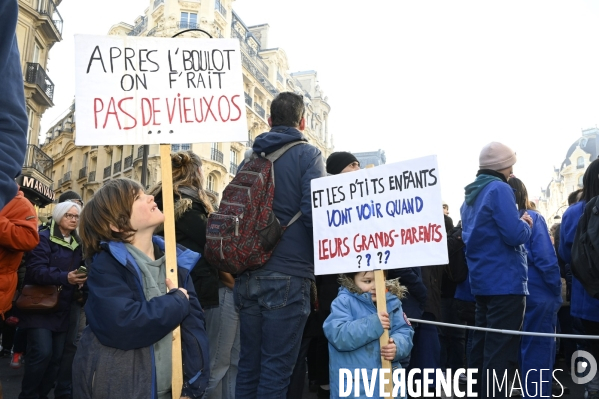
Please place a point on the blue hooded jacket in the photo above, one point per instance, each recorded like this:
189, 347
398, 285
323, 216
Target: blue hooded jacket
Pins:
13, 115
581, 303
353, 329
120, 317
294, 255
494, 236
544, 280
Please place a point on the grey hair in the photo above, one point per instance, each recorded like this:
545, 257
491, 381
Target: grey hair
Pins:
62, 208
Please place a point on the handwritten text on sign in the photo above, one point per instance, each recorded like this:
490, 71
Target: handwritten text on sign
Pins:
386, 217
140, 90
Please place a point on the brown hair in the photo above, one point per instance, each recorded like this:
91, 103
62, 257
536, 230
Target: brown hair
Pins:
186, 173
521, 194
111, 205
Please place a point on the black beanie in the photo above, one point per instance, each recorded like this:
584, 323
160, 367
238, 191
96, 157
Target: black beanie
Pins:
69, 195
337, 161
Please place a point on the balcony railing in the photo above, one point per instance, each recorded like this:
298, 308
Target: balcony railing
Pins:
92, 176
66, 177
218, 6
107, 172
247, 62
157, 3
49, 8
187, 25
254, 57
233, 168
152, 31
180, 147
117, 166
280, 78
260, 110
216, 155
128, 161
212, 192
36, 74
248, 99
249, 144
82, 172
93, 147
140, 27
37, 159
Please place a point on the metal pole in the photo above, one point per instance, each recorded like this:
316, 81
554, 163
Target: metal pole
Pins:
144, 167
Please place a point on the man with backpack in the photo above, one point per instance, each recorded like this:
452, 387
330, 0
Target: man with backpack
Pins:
274, 300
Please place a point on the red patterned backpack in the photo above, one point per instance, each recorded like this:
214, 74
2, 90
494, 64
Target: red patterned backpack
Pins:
245, 230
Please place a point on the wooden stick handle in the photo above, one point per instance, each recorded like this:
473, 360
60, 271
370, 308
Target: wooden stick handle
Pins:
381, 306
170, 244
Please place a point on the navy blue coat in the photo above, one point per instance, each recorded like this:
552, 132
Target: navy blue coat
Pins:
49, 264
294, 255
494, 236
411, 278
120, 317
581, 303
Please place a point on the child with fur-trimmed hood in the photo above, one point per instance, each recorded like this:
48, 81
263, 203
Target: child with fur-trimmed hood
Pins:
354, 327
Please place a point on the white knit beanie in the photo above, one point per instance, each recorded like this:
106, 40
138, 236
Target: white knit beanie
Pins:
496, 156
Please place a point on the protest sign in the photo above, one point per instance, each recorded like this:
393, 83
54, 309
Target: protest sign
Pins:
386, 217
147, 90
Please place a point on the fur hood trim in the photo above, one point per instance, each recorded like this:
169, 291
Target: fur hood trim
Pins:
392, 286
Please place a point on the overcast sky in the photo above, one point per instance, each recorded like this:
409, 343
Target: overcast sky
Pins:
418, 78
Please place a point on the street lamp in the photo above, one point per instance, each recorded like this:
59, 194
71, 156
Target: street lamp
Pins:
558, 217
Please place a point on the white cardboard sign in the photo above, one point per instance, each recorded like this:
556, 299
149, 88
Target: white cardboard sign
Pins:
147, 90
386, 217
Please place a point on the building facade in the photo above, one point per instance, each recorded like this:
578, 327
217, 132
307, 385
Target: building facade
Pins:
265, 74
39, 27
374, 158
553, 200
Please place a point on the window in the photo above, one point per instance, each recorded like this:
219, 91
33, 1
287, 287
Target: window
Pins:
69, 164
580, 181
580, 163
211, 183
189, 20
36, 53
30, 125
233, 157
85, 156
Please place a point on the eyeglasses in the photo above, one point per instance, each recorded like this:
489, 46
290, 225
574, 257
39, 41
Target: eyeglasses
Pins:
75, 201
71, 216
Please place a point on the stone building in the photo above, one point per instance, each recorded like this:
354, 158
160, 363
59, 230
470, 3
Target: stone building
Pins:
375, 158
265, 74
39, 27
553, 200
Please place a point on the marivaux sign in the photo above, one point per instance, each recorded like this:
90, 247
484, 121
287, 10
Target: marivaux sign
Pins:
37, 187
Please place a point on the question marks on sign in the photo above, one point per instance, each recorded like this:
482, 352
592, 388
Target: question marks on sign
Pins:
359, 257
380, 254
368, 257
388, 253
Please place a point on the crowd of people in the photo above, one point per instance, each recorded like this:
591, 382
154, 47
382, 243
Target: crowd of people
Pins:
109, 331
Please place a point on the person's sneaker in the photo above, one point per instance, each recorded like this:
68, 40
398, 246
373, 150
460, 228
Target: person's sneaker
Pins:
16, 361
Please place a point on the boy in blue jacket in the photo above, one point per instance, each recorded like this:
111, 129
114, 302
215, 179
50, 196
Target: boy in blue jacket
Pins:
354, 327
